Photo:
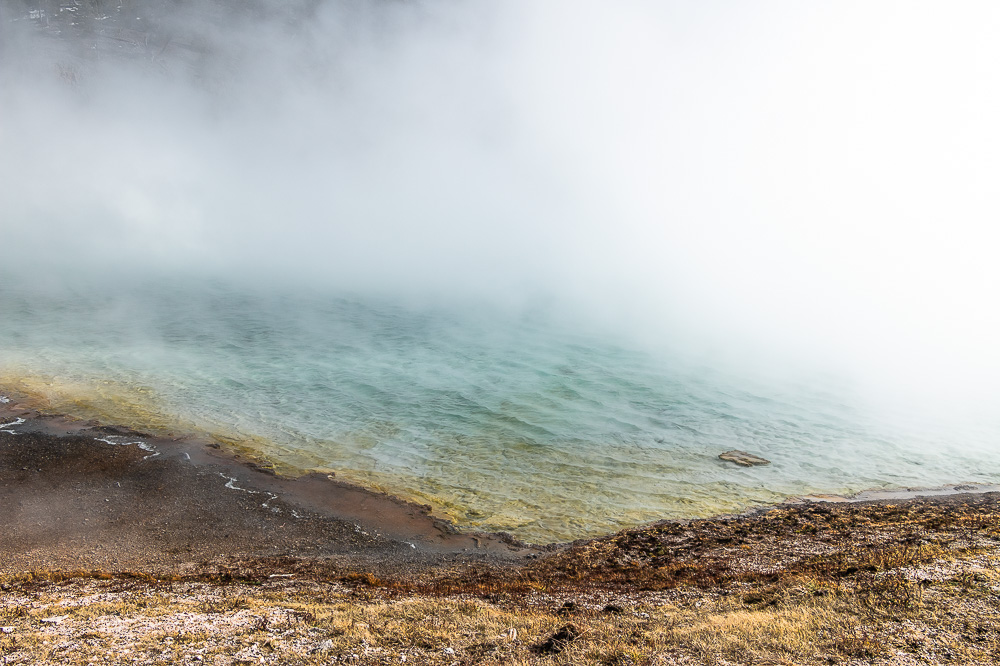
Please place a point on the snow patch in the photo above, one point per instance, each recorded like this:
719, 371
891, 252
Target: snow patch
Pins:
6, 427
119, 440
231, 484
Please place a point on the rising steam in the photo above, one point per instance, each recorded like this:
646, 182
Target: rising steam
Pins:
783, 180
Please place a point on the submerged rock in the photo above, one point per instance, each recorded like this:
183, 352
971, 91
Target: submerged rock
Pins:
743, 458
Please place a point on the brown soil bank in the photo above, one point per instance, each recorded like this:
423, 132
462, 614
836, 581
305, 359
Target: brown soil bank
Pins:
77, 496
170, 552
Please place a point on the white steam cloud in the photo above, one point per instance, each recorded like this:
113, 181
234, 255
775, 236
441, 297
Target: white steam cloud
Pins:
816, 179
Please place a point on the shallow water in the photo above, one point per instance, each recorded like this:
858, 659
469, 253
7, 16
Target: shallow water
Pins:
500, 421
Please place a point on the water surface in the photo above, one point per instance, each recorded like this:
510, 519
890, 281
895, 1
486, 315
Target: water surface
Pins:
499, 420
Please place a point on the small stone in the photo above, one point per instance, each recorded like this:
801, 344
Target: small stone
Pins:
743, 458
567, 608
55, 619
6, 630
449, 651
558, 641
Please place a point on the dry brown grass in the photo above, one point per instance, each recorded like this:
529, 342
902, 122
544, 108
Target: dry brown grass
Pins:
884, 585
805, 620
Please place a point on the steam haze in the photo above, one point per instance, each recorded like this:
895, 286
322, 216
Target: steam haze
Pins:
802, 183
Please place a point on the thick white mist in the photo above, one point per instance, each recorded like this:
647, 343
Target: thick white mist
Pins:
799, 183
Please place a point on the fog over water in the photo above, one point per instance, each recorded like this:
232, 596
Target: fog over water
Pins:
786, 195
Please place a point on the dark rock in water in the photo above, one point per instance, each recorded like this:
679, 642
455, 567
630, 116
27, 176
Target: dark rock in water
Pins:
743, 458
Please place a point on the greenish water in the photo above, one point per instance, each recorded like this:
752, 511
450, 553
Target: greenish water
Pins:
501, 421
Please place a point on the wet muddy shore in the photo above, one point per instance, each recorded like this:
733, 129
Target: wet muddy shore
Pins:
84, 496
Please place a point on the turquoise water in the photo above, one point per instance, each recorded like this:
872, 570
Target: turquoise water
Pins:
500, 420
